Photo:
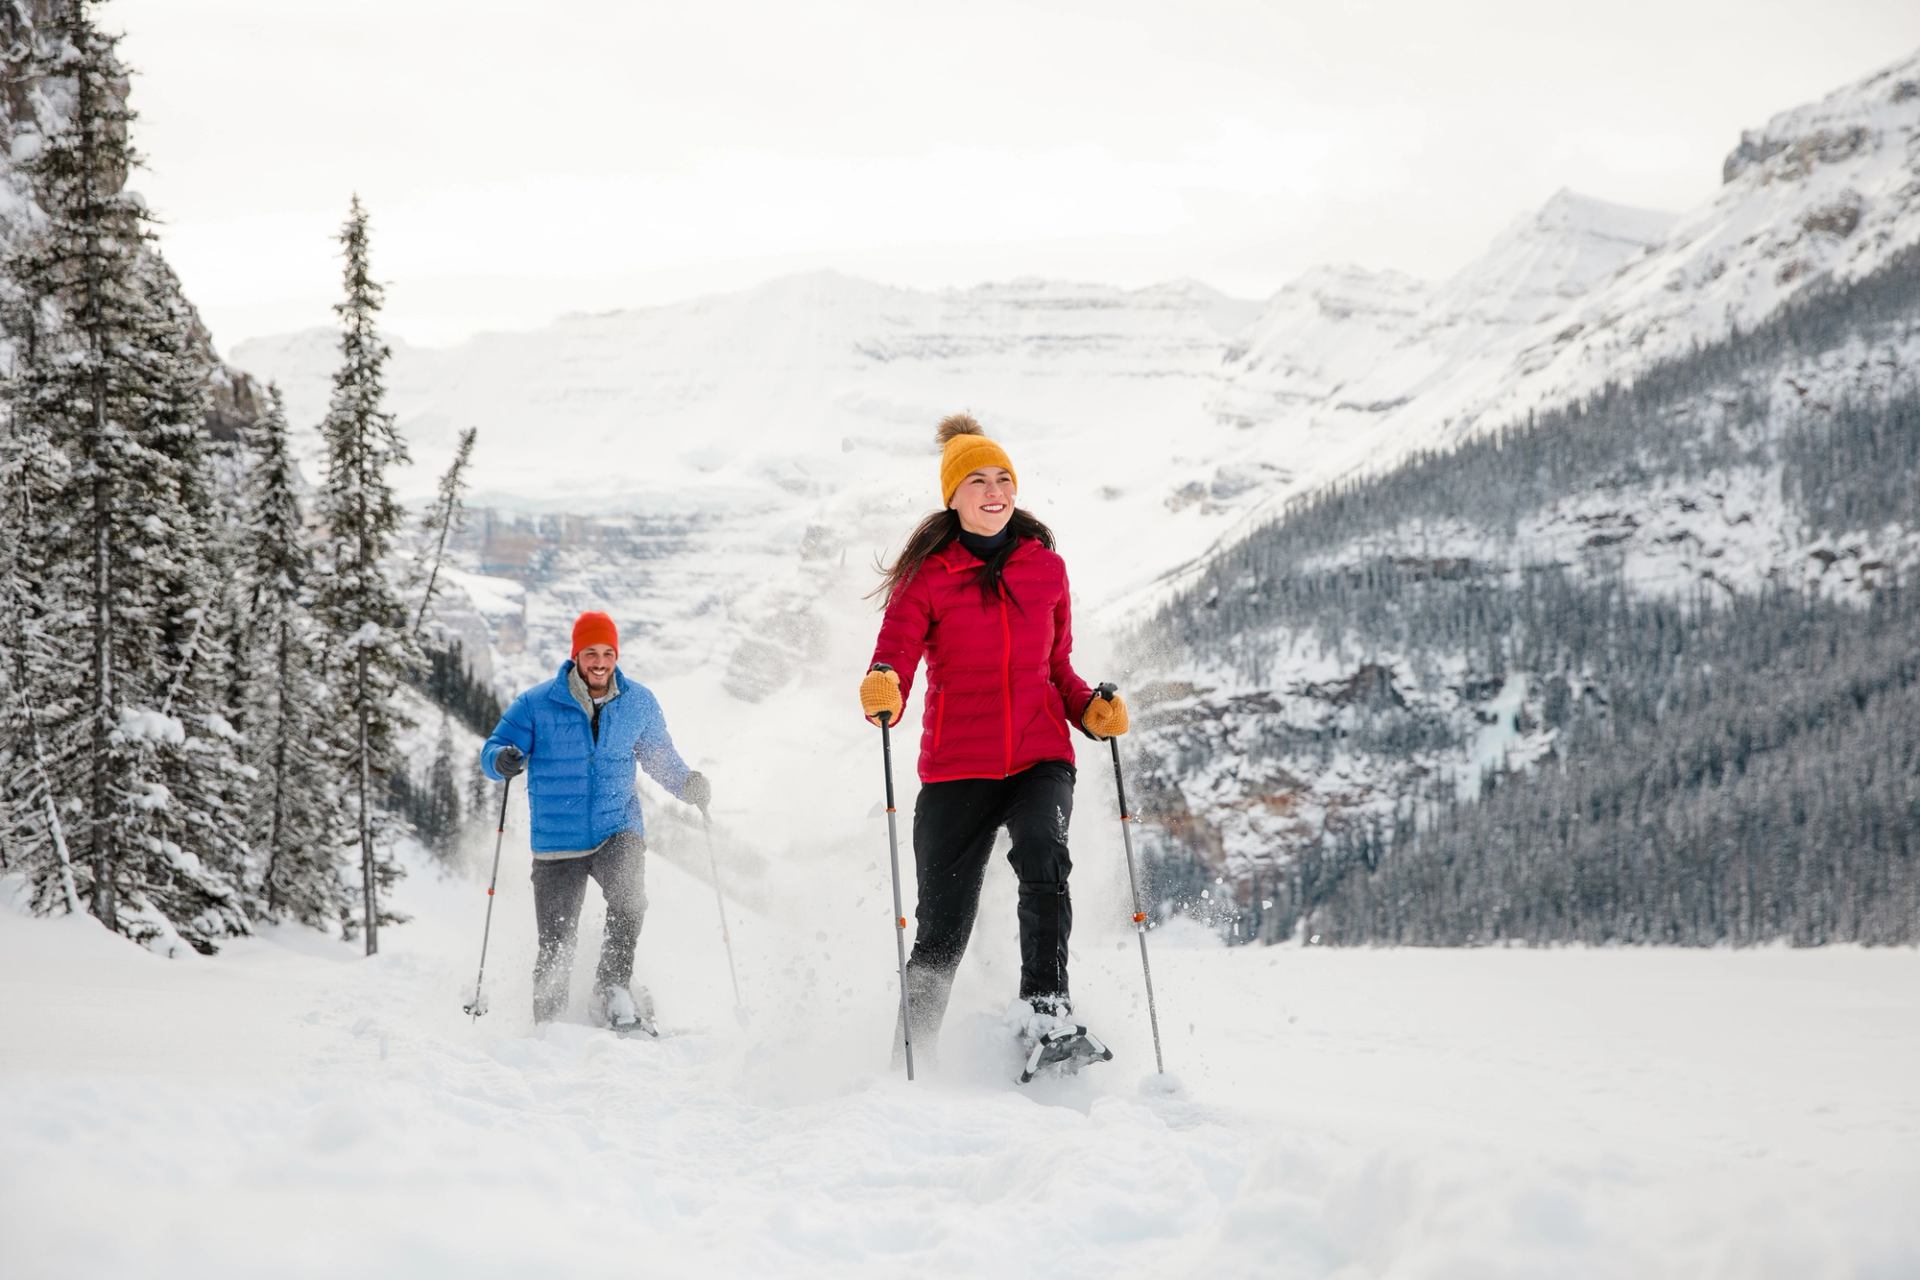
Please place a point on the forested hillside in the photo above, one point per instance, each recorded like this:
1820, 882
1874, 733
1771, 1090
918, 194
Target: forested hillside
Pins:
1643, 669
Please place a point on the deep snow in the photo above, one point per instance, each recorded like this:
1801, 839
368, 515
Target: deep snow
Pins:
294, 1109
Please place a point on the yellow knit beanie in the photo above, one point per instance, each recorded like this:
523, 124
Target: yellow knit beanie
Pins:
966, 449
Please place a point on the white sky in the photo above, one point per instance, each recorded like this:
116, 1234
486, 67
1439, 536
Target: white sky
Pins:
524, 160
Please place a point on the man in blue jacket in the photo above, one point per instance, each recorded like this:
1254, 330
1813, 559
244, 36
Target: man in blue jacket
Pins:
578, 737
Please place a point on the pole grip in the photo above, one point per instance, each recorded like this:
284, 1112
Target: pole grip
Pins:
883, 717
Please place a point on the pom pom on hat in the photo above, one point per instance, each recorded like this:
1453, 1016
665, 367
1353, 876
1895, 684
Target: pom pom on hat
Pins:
964, 449
593, 627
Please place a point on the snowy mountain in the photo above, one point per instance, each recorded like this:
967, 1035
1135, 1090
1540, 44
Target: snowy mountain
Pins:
1686, 593
730, 467
1165, 418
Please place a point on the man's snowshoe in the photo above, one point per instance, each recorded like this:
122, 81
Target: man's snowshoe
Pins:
1063, 1052
621, 1012
1055, 1043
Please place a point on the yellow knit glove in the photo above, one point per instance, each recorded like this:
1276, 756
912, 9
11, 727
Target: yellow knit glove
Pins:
1106, 717
880, 691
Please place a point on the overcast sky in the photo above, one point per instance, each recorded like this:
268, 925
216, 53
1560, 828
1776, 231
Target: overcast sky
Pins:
524, 160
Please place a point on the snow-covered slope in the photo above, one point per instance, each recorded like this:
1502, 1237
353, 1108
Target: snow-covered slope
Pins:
1421, 339
1159, 420
1826, 191
1344, 1114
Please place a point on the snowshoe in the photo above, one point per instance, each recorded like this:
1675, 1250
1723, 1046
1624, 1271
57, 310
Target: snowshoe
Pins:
621, 1012
1063, 1052
1055, 1043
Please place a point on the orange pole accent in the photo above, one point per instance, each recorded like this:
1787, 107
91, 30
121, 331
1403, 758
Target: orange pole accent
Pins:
489, 891
891, 809
1138, 916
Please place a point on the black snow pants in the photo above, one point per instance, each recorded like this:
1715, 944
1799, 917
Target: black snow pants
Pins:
560, 890
953, 829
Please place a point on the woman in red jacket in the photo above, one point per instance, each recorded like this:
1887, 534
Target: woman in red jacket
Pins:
980, 593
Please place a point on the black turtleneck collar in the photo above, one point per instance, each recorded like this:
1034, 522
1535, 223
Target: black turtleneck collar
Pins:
983, 547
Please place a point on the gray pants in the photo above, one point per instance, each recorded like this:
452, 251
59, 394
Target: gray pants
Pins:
560, 890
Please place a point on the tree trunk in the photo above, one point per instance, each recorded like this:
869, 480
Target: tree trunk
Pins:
102, 764
101, 842
366, 813
433, 574
277, 832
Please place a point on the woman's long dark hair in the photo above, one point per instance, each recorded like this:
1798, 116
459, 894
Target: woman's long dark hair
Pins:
942, 527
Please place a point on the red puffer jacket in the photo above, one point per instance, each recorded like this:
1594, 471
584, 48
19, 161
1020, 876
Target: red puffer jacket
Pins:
1001, 689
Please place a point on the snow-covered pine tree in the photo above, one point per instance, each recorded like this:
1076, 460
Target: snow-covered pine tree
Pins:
30, 819
370, 644
443, 795
444, 517
205, 775
301, 829
98, 395
479, 791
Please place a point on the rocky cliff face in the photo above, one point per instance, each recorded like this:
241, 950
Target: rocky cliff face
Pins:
30, 108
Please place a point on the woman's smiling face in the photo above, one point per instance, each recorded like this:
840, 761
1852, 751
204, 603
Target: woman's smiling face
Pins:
985, 501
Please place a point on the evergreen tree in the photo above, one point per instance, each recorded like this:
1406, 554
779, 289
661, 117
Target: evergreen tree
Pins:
443, 795
300, 828
480, 798
449, 680
206, 775
105, 401
443, 519
371, 649
29, 802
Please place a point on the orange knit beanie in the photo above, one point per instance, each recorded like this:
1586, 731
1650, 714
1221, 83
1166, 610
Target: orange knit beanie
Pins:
593, 628
964, 448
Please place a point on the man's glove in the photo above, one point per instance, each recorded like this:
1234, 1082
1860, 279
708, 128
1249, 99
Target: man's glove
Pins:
880, 691
509, 761
698, 792
1106, 717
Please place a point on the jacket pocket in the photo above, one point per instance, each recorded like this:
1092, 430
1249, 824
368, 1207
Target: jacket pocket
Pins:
939, 715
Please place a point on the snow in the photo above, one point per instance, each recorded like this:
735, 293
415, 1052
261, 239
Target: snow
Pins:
143, 724
1171, 419
493, 597
369, 636
291, 1106
1493, 747
1343, 1114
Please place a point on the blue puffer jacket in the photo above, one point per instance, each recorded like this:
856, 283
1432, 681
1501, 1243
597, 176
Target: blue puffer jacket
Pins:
581, 789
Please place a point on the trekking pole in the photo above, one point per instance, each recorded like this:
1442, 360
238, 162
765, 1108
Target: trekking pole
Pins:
1133, 882
893, 855
719, 900
478, 1005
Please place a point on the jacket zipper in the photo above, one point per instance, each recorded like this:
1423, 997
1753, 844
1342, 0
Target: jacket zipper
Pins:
1006, 685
